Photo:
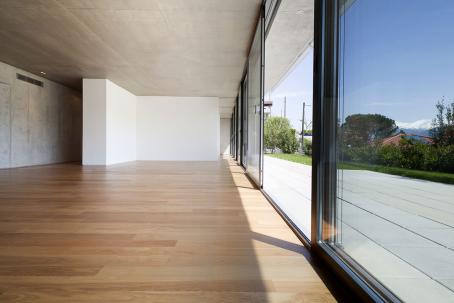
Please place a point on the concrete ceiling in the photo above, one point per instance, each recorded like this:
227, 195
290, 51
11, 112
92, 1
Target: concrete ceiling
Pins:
150, 47
290, 36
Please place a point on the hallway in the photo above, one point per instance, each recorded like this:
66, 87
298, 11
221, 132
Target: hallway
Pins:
147, 232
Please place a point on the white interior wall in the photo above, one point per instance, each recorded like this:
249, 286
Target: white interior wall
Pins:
109, 123
119, 126
178, 128
225, 136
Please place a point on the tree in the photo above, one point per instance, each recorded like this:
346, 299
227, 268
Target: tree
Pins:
363, 129
279, 134
290, 143
443, 124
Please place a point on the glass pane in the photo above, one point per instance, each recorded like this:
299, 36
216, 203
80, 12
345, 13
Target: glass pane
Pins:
254, 106
287, 164
244, 144
240, 129
395, 192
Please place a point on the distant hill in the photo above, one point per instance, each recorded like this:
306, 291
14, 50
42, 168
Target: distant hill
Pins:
417, 131
419, 127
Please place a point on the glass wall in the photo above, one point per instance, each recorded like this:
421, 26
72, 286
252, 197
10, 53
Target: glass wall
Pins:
254, 104
382, 115
287, 163
239, 126
244, 122
392, 214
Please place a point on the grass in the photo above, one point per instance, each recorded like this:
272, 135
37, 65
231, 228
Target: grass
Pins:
302, 159
404, 172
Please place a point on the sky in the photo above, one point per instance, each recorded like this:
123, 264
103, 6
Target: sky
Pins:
297, 88
396, 62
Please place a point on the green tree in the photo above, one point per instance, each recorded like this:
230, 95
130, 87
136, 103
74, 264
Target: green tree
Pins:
279, 134
290, 143
363, 129
443, 124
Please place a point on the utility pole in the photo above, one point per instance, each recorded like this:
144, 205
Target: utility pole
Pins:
285, 106
302, 128
303, 122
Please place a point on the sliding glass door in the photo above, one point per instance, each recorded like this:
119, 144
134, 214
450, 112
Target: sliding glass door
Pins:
287, 163
362, 165
387, 207
244, 122
254, 108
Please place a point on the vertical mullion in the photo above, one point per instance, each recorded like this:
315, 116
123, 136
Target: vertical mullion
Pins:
262, 91
325, 121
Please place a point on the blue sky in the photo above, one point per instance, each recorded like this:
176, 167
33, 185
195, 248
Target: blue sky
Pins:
398, 61
297, 87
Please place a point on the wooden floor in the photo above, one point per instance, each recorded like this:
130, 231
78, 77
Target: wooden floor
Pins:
147, 232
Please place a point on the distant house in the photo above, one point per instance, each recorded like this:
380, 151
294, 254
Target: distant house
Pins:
267, 108
395, 140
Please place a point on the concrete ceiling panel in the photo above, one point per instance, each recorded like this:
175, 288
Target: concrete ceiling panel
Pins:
150, 47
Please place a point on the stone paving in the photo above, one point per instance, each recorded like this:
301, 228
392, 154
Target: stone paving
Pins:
400, 229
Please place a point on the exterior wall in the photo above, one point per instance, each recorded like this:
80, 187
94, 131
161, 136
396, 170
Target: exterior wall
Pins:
121, 124
38, 125
178, 128
225, 136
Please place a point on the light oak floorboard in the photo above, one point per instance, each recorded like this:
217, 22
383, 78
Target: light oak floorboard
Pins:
147, 232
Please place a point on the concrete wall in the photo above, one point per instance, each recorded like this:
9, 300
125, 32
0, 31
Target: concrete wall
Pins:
94, 122
225, 136
38, 125
109, 126
178, 128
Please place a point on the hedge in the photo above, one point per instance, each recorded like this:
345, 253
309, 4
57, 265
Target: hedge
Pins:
408, 154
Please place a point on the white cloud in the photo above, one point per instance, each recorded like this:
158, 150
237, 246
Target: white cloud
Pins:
421, 124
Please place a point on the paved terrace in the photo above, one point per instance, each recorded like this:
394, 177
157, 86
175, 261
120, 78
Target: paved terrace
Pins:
400, 229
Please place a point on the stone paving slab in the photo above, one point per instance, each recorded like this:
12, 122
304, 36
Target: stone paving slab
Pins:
400, 229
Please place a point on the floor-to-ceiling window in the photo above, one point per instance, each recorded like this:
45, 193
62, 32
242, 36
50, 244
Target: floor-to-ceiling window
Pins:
287, 164
244, 122
239, 149
254, 105
390, 214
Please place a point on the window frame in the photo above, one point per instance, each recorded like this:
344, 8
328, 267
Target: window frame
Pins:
324, 184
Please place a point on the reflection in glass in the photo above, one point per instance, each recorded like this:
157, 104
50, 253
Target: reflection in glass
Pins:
287, 164
395, 142
254, 106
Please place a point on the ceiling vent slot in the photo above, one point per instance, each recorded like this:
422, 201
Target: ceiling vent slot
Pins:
29, 80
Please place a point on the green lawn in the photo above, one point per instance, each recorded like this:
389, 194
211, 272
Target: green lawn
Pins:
302, 159
410, 173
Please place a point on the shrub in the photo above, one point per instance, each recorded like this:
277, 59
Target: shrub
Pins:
431, 158
416, 155
280, 135
362, 154
289, 144
411, 154
276, 129
389, 155
307, 146
446, 159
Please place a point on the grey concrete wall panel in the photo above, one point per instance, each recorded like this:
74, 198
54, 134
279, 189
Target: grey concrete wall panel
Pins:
20, 155
38, 125
5, 129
